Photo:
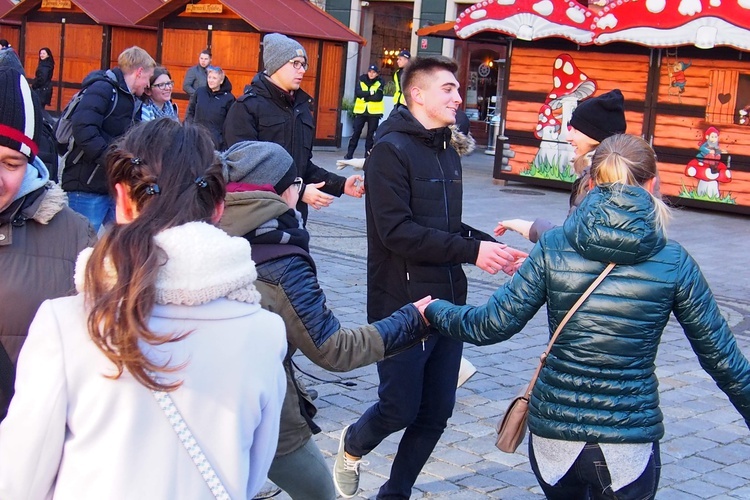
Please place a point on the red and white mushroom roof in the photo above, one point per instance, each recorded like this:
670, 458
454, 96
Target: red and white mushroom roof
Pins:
528, 20
703, 23
654, 23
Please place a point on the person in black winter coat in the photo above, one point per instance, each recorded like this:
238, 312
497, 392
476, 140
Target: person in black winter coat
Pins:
416, 245
45, 71
275, 109
210, 104
107, 110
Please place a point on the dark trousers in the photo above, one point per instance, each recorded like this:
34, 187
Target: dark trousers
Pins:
359, 124
589, 479
417, 392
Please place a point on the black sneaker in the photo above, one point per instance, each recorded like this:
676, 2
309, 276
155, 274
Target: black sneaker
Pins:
348, 157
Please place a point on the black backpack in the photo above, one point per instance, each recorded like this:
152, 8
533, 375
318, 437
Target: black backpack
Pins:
64, 126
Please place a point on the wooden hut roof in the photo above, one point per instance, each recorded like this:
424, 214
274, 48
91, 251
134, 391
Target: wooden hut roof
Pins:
290, 17
106, 12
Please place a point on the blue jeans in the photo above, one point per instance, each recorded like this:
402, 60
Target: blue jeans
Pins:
417, 392
589, 479
303, 474
99, 209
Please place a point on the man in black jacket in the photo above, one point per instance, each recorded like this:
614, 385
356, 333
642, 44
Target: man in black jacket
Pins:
416, 244
275, 109
106, 111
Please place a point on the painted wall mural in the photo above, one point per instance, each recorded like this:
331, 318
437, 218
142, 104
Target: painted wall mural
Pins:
570, 86
708, 169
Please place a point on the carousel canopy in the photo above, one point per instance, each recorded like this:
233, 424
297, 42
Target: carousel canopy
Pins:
653, 23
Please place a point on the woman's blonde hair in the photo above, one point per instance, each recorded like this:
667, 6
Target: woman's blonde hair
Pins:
172, 177
628, 159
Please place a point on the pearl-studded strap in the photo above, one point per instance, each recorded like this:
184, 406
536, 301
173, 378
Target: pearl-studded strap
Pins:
190, 444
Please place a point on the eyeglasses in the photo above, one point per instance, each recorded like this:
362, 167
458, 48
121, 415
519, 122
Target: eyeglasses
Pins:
299, 64
164, 85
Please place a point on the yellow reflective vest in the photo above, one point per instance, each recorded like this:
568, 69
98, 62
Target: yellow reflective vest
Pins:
371, 107
398, 95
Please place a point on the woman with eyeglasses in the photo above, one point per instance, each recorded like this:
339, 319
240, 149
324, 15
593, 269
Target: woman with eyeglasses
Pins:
210, 104
157, 100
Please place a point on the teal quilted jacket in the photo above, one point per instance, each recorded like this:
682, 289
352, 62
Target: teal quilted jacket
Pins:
598, 384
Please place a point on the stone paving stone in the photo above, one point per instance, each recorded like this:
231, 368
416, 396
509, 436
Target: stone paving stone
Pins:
458, 457
481, 484
729, 454
698, 464
518, 478
725, 480
701, 488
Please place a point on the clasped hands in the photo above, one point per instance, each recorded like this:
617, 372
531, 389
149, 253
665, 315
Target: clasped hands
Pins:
494, 257
317, 199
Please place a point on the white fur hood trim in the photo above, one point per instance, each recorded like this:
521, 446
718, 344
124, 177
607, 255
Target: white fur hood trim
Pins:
203, 264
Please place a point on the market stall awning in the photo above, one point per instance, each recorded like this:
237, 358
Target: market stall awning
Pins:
447, 30
5, 7
105, 12
653, 23
290, 17
117, 12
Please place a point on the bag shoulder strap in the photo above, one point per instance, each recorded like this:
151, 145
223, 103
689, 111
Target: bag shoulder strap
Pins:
564, 321
191, 445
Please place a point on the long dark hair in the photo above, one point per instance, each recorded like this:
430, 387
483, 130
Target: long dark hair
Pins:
172, 177
49, 53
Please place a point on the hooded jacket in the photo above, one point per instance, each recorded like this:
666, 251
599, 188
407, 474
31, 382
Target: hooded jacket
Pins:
40, 238
93, 133
210, 109
267, 113
416, 243
289, 287
599, 382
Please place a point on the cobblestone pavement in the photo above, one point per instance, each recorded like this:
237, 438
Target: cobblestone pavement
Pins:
707, 445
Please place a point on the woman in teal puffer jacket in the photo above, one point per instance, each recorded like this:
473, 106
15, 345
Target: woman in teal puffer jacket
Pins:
594, 412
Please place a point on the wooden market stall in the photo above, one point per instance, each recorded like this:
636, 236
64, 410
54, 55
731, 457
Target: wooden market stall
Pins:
83, 35
233, 30
685, 75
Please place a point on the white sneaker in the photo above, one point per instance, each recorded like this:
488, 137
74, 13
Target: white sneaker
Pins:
465, 371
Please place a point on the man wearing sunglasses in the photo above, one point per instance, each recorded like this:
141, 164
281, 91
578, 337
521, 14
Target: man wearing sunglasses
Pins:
275, 109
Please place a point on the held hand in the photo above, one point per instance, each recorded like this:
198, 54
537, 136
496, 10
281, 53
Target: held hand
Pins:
494, 257
316, 198
422, 304
355, 186
290, 196
520, 226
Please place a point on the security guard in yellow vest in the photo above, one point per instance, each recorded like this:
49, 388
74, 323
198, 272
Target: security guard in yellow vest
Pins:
402, 60
368, 108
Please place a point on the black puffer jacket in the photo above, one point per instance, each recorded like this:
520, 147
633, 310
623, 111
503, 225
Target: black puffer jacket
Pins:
599, 382
210, 109
289, 287
93, 134
267, 113
42, 83
416, 243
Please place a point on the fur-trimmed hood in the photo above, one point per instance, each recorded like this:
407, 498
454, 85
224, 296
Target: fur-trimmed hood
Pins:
464, 144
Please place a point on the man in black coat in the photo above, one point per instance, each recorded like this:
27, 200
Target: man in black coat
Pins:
275, 109
107, 110
416, 245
